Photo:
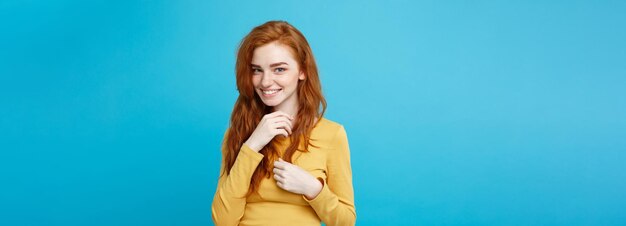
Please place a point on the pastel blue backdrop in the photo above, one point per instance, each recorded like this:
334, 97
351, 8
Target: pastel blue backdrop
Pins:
458, 112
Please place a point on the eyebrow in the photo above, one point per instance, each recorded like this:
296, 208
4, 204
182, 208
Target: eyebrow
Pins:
271, 65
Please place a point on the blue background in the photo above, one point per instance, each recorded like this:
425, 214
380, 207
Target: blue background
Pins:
458, 113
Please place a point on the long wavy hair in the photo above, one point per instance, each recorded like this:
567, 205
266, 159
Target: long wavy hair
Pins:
249, 109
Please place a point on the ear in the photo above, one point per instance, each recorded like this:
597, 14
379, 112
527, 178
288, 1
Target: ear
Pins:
301, 76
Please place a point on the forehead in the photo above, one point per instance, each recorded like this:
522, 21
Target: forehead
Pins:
271, 53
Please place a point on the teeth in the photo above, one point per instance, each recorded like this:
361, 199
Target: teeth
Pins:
271, 91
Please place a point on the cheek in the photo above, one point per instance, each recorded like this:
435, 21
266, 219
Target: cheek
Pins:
290, 80
256, 80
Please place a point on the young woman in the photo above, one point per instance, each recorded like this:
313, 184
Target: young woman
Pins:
282, 162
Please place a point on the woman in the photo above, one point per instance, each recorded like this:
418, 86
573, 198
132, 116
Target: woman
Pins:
282, 162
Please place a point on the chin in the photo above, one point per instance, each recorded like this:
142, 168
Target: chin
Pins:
271, 103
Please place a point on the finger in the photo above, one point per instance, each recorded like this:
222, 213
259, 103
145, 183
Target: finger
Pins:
280, 184
283, 125
288, 121
274, 115
281, 119
281, 132
278, 178
278, 171
279, 165
279, 113
284, 162
285, 114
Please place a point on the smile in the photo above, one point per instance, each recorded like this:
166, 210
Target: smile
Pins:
270, 92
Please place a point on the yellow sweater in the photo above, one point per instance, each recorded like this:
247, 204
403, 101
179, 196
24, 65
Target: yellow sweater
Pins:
330, 161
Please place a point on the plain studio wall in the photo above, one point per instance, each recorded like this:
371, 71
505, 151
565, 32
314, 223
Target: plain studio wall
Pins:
457, 113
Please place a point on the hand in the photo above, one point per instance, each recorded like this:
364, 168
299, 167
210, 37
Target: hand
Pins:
275, 123
294, 179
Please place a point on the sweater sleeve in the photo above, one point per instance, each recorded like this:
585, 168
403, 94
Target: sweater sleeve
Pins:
229, 201
335, 203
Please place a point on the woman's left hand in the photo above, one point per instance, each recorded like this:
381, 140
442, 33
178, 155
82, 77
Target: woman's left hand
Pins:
294, 179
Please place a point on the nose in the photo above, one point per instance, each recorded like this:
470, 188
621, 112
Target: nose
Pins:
267, 80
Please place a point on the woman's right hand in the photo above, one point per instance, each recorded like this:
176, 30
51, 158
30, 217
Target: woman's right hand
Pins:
275, 123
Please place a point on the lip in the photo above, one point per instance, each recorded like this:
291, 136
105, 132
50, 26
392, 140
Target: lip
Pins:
270, 95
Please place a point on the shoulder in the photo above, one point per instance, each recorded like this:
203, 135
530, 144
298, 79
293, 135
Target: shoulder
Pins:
328, 130
333, 138
328, 124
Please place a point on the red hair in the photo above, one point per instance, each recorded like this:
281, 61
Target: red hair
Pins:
249, 109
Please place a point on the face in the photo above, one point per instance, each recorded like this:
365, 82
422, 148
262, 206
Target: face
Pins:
276, 74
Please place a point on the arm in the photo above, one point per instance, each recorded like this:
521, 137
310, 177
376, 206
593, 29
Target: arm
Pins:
229, 201
335, 202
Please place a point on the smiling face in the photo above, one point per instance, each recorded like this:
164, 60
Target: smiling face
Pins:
276, 74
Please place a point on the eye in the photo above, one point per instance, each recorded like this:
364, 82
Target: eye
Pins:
257, 70
280, 69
